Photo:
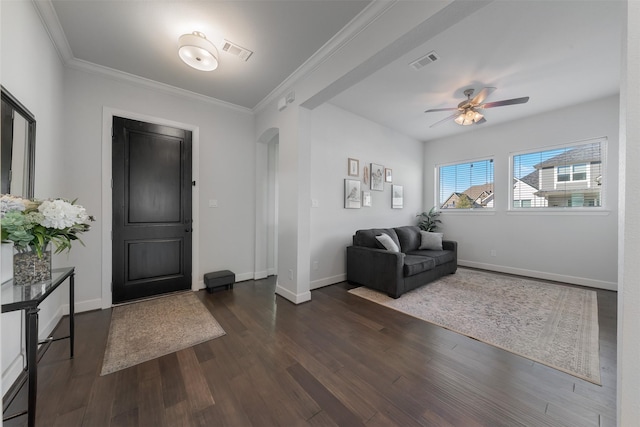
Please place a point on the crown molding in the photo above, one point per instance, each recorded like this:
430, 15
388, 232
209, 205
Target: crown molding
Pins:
121, 76
53, 27
367, 16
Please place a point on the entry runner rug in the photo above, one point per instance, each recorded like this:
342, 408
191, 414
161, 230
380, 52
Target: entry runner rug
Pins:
150, 329
552, 324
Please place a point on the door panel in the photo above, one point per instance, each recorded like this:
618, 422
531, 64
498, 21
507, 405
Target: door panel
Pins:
151, 210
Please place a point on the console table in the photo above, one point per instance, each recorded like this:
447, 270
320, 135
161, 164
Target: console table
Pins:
28, 298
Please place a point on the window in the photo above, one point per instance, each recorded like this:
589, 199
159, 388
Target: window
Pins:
466, 185
569, 176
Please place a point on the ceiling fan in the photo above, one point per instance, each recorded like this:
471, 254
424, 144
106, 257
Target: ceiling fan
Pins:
467, 112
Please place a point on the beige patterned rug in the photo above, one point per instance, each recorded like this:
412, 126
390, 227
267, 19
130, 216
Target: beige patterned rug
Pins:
551, 324
149, 329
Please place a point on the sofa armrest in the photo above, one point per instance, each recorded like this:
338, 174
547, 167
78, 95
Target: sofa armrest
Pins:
375, 268
450, 245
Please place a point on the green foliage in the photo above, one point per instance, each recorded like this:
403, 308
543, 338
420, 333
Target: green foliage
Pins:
464, 202
428, 221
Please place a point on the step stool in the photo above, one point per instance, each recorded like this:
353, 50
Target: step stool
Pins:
218, 279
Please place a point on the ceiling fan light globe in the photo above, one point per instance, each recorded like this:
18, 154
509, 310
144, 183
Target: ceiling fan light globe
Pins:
477, 117
460, 119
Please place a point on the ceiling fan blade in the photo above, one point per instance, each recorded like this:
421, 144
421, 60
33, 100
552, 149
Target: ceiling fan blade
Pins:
482, 95
442, 109
505, 102
453, 116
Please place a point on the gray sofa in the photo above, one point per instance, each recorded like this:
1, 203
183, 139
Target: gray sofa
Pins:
394, 273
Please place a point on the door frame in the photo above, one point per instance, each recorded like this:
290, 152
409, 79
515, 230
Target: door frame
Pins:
107, 198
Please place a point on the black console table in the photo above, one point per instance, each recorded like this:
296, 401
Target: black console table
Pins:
28, 298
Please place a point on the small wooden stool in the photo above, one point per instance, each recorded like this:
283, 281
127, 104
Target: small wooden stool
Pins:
218, 279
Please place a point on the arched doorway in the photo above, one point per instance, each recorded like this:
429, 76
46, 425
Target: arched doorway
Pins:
266, 250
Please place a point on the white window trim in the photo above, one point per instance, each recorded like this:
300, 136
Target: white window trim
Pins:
471, 211
603, 209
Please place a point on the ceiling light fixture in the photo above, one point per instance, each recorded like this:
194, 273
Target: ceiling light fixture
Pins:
468, 118
198, 52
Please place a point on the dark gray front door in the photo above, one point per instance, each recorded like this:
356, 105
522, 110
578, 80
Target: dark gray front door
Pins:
151, 209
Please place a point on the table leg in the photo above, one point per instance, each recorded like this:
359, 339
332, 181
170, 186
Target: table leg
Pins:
32, 364
71, 314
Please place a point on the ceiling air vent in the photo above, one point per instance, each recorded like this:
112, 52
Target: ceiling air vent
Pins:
236, 50
425, 60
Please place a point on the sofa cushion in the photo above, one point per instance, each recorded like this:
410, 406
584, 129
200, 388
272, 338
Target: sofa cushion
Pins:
409, 237
417, 264
367, 238
440, 257
430, 240
387, 242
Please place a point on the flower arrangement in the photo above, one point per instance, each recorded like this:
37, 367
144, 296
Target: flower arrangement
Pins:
32, 224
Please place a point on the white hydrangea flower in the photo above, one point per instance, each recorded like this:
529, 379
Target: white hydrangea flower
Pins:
61, 214
11, 203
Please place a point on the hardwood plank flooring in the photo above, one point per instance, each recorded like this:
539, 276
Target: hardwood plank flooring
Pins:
337, 360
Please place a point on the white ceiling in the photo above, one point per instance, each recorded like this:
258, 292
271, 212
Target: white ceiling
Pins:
141, 38
559, 53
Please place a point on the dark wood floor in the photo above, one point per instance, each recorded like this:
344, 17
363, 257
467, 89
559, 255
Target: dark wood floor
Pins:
338, 360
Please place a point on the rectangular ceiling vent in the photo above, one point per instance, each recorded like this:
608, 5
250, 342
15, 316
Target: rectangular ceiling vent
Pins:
425, 60
236, 50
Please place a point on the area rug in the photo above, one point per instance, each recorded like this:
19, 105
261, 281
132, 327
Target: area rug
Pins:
549, 323
150, 329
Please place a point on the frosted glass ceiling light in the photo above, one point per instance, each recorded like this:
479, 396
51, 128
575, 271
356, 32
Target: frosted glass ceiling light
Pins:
198, 52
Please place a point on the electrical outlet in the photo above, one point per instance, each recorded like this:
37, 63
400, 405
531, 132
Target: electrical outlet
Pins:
290, 274
213, 203
493, 252
315, 265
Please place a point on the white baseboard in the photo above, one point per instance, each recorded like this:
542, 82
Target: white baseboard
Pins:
320, 283
257, 275
81, 306
294, 298
582, 281
271, 272
244, 276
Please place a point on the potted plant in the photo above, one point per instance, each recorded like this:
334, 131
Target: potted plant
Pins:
428, 221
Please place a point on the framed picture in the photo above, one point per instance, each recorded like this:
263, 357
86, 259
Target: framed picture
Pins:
397, 199
366, 199
377, 177
351, 194
354, 167
365, 175
388, 175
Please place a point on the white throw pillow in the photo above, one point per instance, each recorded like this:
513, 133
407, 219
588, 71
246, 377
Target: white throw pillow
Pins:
388, 242
431, 240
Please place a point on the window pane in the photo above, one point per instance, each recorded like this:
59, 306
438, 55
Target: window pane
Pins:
579, 172
569, 176
466, 185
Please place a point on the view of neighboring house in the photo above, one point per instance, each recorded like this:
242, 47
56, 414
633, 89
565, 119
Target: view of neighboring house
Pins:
476, 196
570, 179
525, 192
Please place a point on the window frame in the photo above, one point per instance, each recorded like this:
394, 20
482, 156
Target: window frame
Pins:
485, 210
602, 208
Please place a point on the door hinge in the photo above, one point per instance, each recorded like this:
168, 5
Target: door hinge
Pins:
193, 183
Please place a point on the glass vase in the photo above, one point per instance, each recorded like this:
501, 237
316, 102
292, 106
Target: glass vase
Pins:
29, 268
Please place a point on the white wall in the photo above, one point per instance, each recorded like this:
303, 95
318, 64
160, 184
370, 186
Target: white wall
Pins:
337, 135
224, 161
570, 247
629, 231
33, 73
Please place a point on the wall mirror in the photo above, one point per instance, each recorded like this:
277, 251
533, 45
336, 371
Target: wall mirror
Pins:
18, 147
